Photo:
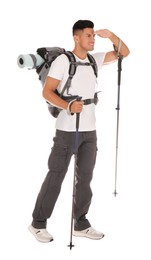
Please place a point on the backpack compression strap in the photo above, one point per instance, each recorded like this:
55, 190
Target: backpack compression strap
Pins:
34, 60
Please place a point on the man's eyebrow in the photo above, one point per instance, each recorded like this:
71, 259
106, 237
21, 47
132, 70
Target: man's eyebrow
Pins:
89, 34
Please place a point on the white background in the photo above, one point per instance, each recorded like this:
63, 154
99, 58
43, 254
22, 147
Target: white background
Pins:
27, 130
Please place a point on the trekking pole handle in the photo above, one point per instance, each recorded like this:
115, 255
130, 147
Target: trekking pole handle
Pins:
77, 115
119, 69
77, 120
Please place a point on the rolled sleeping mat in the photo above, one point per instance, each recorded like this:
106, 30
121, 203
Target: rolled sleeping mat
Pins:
30, 61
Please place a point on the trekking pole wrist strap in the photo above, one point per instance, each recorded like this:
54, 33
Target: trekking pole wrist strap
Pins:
69, 107
118, 48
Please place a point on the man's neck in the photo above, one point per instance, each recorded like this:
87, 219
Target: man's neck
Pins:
80, 54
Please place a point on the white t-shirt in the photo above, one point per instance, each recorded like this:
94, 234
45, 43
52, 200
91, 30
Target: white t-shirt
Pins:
83, 84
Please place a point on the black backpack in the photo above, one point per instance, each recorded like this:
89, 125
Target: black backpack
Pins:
47, 55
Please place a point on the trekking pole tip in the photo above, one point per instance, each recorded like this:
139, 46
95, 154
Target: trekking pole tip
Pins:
71, 245
115, 193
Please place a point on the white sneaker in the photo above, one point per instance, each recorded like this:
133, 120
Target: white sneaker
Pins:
89, 233
41, 235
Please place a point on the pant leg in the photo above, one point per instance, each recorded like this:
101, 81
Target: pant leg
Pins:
58, 163
85, 164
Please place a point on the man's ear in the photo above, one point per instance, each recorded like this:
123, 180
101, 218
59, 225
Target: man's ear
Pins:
76, 38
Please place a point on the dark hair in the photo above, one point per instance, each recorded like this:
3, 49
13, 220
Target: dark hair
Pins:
82, 24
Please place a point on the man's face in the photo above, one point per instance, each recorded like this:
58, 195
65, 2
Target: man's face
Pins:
86, 39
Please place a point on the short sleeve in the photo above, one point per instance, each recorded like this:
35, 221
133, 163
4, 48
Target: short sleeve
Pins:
58, 67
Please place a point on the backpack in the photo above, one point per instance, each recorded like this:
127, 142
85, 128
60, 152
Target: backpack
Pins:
47, 56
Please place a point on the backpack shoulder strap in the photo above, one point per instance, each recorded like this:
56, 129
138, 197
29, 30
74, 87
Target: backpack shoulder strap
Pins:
93, 62
72, 70
73, 66
72, 61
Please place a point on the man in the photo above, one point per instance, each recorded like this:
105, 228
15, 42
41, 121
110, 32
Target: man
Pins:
83, 84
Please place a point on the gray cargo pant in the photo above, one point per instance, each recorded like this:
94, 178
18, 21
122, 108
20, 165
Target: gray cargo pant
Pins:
58, 162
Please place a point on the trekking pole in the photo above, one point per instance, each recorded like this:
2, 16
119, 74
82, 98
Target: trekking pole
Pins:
74, 177
117, 124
